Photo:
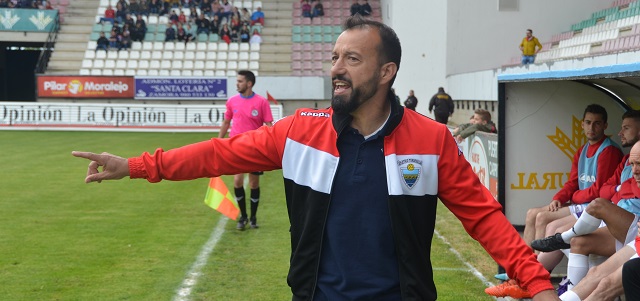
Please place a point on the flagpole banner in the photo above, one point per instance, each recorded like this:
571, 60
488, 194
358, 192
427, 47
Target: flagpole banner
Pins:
219, 198
180, 87
18, 19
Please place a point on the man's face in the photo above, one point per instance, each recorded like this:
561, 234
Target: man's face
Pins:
593, 126
634, 160
529, 34
629, 132
477, 119
355, 69
242, 84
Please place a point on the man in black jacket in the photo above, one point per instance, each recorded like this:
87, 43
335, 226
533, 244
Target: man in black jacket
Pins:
442, 105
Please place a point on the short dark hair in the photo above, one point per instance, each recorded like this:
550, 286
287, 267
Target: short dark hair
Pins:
635, 114
484, 114
248, 75
596, 109
529, 30
389, 49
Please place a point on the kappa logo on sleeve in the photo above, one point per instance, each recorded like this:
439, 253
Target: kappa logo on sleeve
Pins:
315, 114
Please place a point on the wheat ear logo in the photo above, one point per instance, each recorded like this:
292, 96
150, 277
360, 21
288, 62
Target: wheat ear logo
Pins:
569, 145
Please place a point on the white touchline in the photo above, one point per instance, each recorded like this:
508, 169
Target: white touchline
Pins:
471, 268
184, 292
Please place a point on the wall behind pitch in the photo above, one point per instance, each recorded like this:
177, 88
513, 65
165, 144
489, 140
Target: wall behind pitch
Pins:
543, 131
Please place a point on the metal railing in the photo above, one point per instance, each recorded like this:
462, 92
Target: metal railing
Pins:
45, 55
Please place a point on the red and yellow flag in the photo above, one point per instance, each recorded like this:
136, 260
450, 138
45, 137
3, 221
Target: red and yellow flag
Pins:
219, 198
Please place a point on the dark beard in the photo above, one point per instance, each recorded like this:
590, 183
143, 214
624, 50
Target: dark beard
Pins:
348, 104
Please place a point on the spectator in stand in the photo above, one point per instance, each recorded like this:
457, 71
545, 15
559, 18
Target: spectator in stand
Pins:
215, 24
235, 12
124, 4
125, 40
355, 7
134, 7
170, 33
191, 33
155, 6
181, 33
138, 32
245, 34
205, 8
143, 23
4, 3
193, 14
113, 39
48, 5
215, 9
255, 37
203, 25
173, 18
182, 18
225, 33
245, 16
227, 9
121, 13
365, 9
318, 9
143, 8
481, 122
128, 20
102, 43
530, 46
257, 16
235, 37
109, 15
116, 27
174, 3
235, 23
306, 9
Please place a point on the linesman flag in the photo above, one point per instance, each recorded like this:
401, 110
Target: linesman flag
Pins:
271, 98
219, 198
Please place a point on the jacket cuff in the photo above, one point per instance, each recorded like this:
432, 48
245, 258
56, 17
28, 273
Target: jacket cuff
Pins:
136, 168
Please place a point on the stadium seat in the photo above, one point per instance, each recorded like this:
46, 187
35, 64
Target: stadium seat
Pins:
189, 55
180, 46
108, 72
154, 64
131, 64
244, 47
198, 73
97, 27
142, 64
243, 65
306, 38
96, 72
165, 65
211, 56
188, 65
167, 55
187, 73
149, 36
296, 38
118, 72
87, 64
201, 46
255, 47
153, 72
223, 47
175, 72
200, 56
202, 37
231, 72
101, 54
91, 45
85, 72
169, 46
164, 72
176, 65
131, 72
232, 65
89, 54
156, 55
232, 56
94, 36
145, 55
254, 65
221, 73
222, 55
98, 64
112, 55
178, 55
190, 46
209, 73
221, 65
296, 65
243, 56
213, 38
199, 65
254, 56
212, 46
123, 55
121, 64
147, 45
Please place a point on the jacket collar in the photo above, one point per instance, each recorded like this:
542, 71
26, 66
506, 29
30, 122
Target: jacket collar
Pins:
342, 121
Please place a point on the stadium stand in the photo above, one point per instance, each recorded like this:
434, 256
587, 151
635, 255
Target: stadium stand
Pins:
611, 30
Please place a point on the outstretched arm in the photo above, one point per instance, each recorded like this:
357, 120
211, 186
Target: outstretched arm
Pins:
113, 167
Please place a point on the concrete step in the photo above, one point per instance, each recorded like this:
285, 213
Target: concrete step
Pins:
65, 65
275, 57
76, 38
283, 31
79, 20
275, 48
73, 29
71, 46
278, 67
67, 55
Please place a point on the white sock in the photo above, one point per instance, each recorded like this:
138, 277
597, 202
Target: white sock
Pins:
577, 268
570, 296
585, 225
595, 260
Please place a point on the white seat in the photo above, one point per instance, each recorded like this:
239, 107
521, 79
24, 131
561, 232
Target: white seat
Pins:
147, 46
180, 47
243, 56
96, 71
233, 56
187, 73
165, 65
198, 65
164, 72
109, 64
232, 72
255, 47
158, 45
118, 72
153, 20
198, 73
101, 54
234, 47
221, 73
140, 72
232, 65
91, 45
247, 4
134, 54
87, 63
254, 56
123, 55
155, 64
121, 64
153, 72
222, 56
132, 64
209, 73
190, 46
85, 72
112, 55
156, 55
257, 4
211, 55
107, 71
187, 65
175, 72
89, 54
212, 46
223, 46
176, 65
221, 65
143, 64
254, 65
163, 20
169, 46
98, 64
145, 55
189, 55
167, 55
244, 46
210, 65
201, 46
200, 55
178, 55
136, 45
243, 65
